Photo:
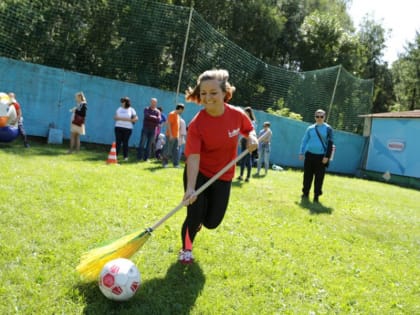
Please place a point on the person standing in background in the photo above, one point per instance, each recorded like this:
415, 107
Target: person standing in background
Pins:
151, 120
77, 130
125, 117
182, 137
19, 117
264, 147
315, 150
246, 161
171, 148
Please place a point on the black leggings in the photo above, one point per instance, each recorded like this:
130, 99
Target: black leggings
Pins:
122, 135
208, 210
246, 161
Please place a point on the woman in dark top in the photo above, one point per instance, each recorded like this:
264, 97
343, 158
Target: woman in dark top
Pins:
76, 128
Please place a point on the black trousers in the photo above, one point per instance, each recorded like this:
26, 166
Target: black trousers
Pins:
313, 170
246, 161
122, 135
208, 210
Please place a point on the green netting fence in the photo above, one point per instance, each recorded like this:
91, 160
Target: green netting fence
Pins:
167, 46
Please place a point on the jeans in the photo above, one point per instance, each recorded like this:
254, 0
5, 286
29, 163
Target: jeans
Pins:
171, 151
263, 156
145, 145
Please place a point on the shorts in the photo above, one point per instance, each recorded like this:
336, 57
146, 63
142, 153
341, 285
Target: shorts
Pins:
78, 129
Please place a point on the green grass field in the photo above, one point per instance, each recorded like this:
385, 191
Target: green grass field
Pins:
355, 253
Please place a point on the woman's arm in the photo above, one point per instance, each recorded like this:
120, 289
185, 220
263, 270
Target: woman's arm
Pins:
193, 166
252, 141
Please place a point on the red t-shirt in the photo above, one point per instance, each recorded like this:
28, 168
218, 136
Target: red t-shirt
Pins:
216, 139
17, 107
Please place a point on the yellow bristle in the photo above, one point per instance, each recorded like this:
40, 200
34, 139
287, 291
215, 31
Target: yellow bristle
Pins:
93, 261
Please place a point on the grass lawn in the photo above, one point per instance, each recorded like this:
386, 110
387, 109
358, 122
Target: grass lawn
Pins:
355, 253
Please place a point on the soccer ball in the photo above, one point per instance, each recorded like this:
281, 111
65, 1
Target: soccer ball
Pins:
119, 279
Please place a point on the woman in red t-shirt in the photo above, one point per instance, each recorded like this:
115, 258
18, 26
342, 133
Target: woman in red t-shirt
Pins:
212, 141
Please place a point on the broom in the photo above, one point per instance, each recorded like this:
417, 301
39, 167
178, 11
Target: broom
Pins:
92, 262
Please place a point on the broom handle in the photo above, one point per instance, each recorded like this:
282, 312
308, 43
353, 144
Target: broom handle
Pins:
203, 187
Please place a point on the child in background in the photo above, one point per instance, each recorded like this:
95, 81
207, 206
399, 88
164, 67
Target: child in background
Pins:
161, 140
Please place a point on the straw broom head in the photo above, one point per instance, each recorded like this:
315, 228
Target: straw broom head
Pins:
92, 262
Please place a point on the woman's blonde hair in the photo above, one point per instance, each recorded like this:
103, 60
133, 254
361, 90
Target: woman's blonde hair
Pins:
221, 75
81, 96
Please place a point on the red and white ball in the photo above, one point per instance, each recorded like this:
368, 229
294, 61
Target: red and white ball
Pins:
119, 279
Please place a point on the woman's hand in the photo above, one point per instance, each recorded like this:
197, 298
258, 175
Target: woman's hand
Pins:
252, 142
193, 163
189, 196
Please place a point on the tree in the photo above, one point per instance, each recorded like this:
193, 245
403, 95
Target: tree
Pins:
372, 38
406, 73
325, 42
143, 41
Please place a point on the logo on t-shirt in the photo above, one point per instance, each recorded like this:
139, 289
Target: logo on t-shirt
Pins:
233, 133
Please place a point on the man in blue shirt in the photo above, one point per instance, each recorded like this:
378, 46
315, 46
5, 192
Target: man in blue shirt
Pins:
315, 149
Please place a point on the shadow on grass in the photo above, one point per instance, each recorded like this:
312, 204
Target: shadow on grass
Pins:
92, 152
237, 183
314, 207
37, 147
176, 293
261, 175
156, 165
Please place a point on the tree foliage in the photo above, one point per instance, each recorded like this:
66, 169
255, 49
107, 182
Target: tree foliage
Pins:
324, 42
406, 74
298, 35
372, 37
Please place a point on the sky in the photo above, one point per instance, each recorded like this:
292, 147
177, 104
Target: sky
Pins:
401, 16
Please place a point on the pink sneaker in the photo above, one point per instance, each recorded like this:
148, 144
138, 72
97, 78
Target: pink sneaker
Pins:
185, 257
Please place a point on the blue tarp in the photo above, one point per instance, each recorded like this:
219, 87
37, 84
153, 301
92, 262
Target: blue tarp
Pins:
46, 95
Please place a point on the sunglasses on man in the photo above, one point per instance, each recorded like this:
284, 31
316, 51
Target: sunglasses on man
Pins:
319, 116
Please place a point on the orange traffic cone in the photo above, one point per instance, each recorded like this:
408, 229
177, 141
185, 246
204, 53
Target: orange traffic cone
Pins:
112, 156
